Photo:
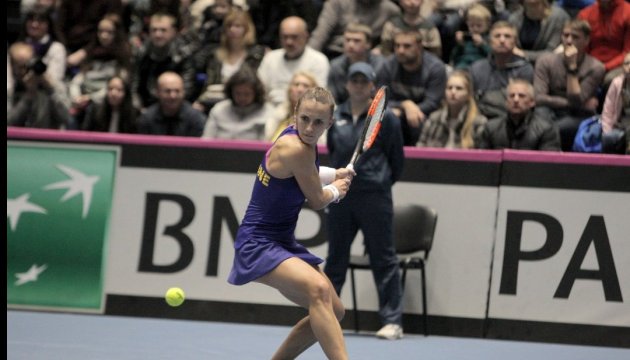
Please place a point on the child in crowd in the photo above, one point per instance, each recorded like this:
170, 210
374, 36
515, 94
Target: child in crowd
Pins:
472, 45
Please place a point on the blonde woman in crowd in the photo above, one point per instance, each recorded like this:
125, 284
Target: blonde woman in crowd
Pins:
238, 47
458, 123
283, 114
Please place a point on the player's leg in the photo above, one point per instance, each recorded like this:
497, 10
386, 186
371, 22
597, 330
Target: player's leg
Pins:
302, 337
308, 287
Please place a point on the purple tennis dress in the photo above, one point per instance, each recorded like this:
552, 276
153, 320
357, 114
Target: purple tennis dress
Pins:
266, 236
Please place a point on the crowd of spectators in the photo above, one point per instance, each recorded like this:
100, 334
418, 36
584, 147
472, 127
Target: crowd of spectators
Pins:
466, 74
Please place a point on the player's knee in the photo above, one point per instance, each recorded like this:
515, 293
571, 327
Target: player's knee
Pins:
320, 291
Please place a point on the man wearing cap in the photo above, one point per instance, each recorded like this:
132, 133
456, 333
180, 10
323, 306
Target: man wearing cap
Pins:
368, 207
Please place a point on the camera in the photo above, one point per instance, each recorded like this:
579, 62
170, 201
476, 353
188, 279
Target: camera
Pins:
37, 66
467, 36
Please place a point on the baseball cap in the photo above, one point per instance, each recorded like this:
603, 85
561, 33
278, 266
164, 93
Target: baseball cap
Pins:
362, 68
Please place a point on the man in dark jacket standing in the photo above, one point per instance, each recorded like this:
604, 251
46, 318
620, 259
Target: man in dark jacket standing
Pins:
521, 128
368, 206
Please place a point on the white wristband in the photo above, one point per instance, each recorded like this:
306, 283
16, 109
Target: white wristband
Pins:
335, 192
327, 174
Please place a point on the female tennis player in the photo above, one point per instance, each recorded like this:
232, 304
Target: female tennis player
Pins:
266, 250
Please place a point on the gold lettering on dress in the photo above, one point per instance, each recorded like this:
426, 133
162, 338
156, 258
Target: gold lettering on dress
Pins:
263, 177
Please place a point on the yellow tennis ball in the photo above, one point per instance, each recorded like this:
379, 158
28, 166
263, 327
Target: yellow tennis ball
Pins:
174, 296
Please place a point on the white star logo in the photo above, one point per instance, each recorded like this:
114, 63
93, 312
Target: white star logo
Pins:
30, 275
15, 208
79, 183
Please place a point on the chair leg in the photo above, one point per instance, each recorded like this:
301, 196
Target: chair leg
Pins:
425, 316
403, 279
354, 302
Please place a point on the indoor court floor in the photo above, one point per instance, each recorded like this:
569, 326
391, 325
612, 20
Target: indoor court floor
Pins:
62, 336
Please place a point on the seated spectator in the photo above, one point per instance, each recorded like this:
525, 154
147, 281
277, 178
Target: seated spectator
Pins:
357, 42
610, 34
211, 26
448, 15
458, 123
410, 19
78, 20
472, 45
243, 115
107, 55
269, 14
164, 51
416, 80
490, 76
573, 7
39, 31
198, 8
35, 100
566, 84
521, 127
278, 66
110, 36
337, 14
616, 113
238, 47
539, 25
283, 114
116, 113
172, 114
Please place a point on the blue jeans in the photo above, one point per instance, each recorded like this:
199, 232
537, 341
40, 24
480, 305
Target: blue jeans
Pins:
372, 213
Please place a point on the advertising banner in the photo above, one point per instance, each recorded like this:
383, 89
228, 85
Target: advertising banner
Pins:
58, 206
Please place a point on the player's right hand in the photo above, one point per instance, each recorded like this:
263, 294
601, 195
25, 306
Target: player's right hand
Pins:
343, 185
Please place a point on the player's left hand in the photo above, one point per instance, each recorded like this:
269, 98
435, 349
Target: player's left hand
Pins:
345, 173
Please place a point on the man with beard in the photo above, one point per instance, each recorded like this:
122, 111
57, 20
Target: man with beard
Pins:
416, 80
337, 14
521, 128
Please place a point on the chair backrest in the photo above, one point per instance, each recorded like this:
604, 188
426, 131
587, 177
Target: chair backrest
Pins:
414, 227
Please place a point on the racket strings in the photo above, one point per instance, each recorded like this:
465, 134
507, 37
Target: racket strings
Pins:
375, 115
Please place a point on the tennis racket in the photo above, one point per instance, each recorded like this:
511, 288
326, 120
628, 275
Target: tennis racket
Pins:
372, 125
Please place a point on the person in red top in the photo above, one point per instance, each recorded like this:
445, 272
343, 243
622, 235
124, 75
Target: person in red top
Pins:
610, 36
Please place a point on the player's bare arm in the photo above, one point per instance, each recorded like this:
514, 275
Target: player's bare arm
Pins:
291, 157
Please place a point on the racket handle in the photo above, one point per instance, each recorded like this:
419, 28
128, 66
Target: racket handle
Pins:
350, 166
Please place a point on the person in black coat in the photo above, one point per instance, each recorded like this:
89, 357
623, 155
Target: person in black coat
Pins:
521, 128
